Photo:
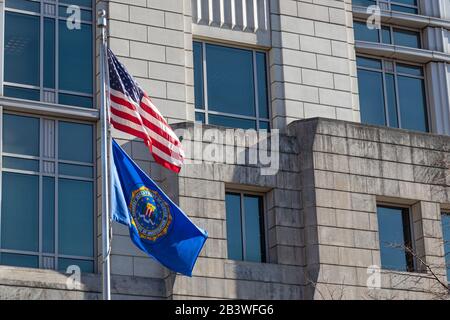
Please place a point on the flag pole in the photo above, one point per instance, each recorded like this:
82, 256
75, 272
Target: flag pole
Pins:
105, 151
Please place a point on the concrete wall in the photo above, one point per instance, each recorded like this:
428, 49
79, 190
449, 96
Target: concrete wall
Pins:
312, 61
347, 169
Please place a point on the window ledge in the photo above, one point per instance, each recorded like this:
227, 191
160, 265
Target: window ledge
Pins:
90, 283
400, 52
403, 19
50, 109
45, 279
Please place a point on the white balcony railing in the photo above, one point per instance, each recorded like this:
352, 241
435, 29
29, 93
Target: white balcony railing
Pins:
242, 15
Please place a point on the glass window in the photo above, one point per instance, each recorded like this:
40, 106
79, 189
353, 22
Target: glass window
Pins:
392, 94
445, 219
53, 226
41, 47
75, 217
387, 35
20, 135
407, 6
230, 70
370, 85
406, 38
76, 63
75, 141
22, 52
19, 224
363, 33
245, 227
395, 238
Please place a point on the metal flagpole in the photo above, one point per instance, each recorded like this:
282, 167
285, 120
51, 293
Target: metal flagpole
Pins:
105, 151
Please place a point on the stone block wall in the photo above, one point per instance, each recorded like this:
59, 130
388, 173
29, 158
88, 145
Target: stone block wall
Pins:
348, 169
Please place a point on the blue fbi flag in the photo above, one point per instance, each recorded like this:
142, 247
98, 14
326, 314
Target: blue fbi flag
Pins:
157, 226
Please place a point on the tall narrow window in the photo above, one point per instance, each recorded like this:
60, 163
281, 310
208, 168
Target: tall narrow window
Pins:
394, 231
230, 86
445, 218
49, 52
245, 227
52, 163
392, 94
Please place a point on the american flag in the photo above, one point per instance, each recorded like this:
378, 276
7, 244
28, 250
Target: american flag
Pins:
133, 112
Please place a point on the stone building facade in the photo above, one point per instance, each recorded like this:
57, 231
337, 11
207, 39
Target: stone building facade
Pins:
320, 230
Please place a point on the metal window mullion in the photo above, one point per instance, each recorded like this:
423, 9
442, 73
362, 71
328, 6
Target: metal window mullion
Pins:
243, 235
205, 84
397, 95
41, 202
56, 54
41, 50
255, 87
56, 238
386, 109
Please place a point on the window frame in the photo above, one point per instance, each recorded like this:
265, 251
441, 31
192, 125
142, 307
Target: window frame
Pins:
262, 219
206, 112
392, 35
385, 71
408, 234
40, 174
51, 95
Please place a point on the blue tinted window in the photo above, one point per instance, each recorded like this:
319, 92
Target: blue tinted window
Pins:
234, 226
76, 170
19, 260
75, 142
261, 75
412, 103
75, 63
253, 232
198, 75
364, 3
22, 34
84, 265
230, 70
407, 38
49, 53
409, 69
386, 35
393, 231
200, 117
371, 97
21, 93
65, 12
368, 63
245, 233
48, 214
231, 122
391, 100
20, 135
363, 33
73, 100
445, 219
76, 218
404, 9
26, 5
20, 217
82, 3
20, 164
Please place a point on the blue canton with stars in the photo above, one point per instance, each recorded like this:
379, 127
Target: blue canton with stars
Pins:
120, 80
